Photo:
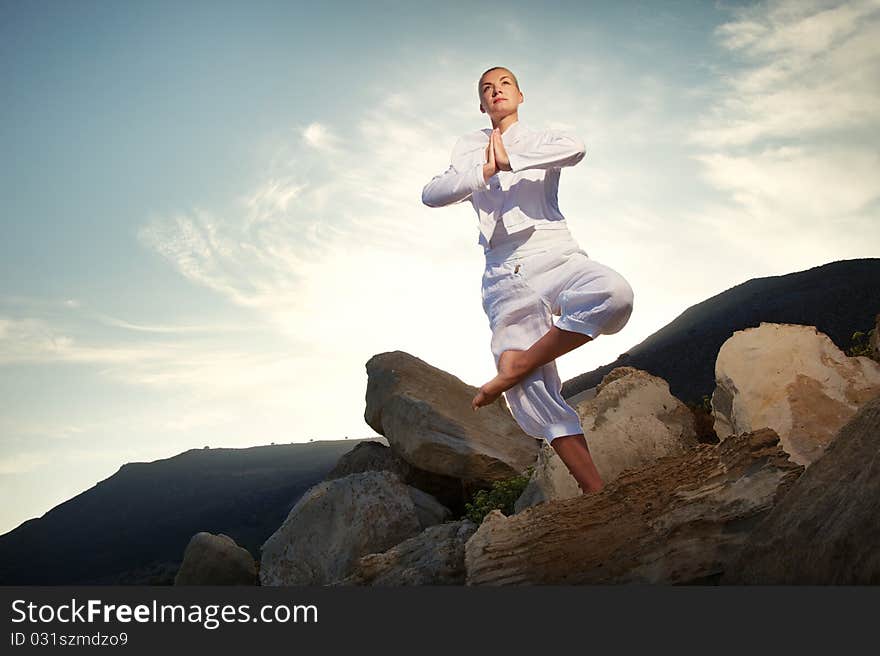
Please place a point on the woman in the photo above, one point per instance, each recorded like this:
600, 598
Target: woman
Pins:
534, 267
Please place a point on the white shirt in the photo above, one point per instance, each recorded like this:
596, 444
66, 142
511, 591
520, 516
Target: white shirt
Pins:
504, 247
521, 198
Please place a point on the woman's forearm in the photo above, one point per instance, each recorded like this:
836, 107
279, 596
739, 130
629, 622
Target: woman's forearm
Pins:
546, 149
454, 186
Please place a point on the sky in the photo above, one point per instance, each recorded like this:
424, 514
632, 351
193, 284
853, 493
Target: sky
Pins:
211, 211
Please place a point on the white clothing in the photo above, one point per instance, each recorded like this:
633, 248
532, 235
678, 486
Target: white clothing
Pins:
535, 269
507, 246
521, 198
527, 280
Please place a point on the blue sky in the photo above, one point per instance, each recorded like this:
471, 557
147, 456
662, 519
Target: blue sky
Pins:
212, 219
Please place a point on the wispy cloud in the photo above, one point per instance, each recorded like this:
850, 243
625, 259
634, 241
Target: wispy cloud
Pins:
791, 139
798, 182
173, 329
39, 303
808, 69
312, 254
210, 368
319, 136
320, 240
803, 75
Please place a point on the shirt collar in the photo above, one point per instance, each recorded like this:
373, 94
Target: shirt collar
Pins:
512, 133
513, 130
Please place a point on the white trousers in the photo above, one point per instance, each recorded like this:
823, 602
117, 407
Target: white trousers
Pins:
522, 291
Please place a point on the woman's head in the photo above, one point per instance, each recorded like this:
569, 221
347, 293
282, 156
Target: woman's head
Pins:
499, 93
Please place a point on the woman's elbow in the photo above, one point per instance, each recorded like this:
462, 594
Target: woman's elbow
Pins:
580, 150
428, 198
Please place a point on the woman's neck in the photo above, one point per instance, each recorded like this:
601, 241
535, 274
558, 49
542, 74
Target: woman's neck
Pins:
506, 122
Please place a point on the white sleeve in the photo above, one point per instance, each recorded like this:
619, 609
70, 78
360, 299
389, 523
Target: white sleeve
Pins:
453, 186
547, 149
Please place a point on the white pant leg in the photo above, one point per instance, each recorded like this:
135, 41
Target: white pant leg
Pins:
518, 317
589, 297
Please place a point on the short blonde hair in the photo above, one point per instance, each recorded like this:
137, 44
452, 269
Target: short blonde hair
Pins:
489, 70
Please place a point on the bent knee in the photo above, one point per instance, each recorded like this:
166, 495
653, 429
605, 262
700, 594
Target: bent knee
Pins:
620, 306
623, 294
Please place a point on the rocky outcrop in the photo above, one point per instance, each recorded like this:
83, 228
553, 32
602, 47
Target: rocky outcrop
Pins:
433, 557
793, 379
630, 421
426, 416
678, 520
826, 529
673, 510
337, 521
216, 560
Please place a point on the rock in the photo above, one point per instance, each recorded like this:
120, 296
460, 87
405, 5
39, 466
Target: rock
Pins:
369, 456
793, 379
550, 480
826, 529
433, 557
631, 420
374, 456
216, 560
428, 510
678, 520
337, 521
426, 415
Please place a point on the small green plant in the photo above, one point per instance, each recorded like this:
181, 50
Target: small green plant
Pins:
502, 496
706, 404
861, 344
704, 419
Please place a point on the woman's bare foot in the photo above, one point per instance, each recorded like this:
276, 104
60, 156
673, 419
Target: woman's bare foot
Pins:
512, 368
591, 490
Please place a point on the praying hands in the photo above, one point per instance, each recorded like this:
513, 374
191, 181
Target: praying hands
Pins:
496, 156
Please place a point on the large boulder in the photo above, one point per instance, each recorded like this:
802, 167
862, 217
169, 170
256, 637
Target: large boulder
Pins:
433, 557
631, 420
337, 521
793, 379
427, 418
678, 520
216, 560
827, 528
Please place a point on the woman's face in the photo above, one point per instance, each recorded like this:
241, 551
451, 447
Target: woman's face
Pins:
499, 95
